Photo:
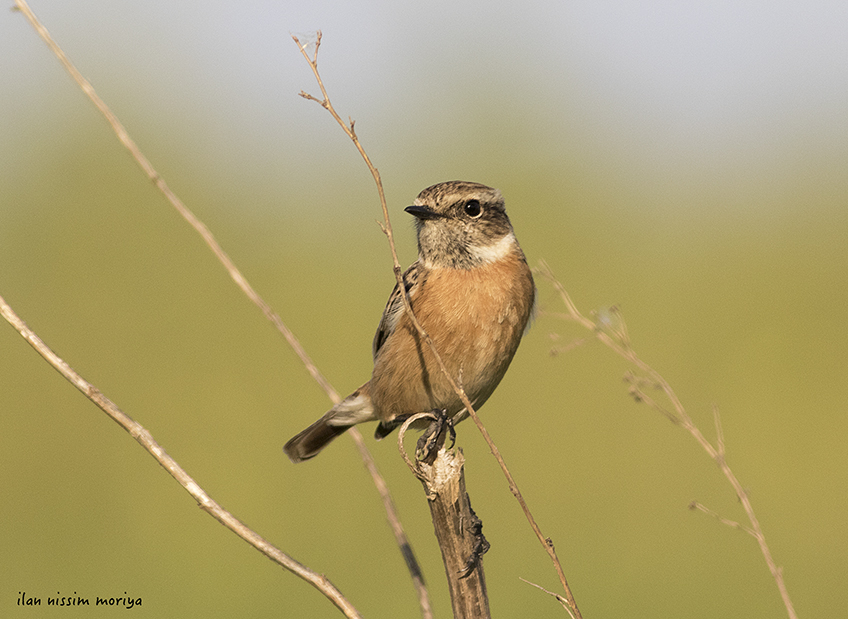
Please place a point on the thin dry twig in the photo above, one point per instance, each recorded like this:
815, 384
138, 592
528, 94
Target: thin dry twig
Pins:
182, 209
348, 128
402, 434
241, 281
719, 431
726, 521
146, 440
558, 597
612, 331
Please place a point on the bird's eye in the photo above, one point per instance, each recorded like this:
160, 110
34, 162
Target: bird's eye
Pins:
473, 209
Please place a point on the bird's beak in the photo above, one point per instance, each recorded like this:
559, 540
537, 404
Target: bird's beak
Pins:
422, 212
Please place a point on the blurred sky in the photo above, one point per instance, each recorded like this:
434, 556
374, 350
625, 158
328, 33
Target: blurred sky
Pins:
671, 91
684, 160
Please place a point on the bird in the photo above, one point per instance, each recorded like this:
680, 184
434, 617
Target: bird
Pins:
472, 291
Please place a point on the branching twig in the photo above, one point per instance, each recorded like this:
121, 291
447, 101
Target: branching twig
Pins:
612, 331
147, 441
241, 281
348, 128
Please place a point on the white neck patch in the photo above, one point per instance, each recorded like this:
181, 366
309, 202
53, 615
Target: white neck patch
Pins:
494, 252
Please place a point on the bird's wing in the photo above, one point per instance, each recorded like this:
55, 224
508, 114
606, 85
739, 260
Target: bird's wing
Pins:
394, 308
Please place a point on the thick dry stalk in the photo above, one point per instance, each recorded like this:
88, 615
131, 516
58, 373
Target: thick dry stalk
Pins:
459, 531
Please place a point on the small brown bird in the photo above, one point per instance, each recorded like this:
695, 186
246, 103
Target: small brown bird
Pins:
473, 293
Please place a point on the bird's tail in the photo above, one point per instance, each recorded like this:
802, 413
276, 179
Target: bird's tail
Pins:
354, 409
313, 439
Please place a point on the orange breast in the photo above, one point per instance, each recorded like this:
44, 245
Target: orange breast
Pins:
476, 318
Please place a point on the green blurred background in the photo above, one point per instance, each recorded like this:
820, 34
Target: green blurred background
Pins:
685, 162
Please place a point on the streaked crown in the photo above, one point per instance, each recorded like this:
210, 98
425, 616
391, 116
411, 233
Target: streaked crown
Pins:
462, 225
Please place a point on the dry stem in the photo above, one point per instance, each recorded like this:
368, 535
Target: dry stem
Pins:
458, 530
612, 331
147, 441
348, 128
